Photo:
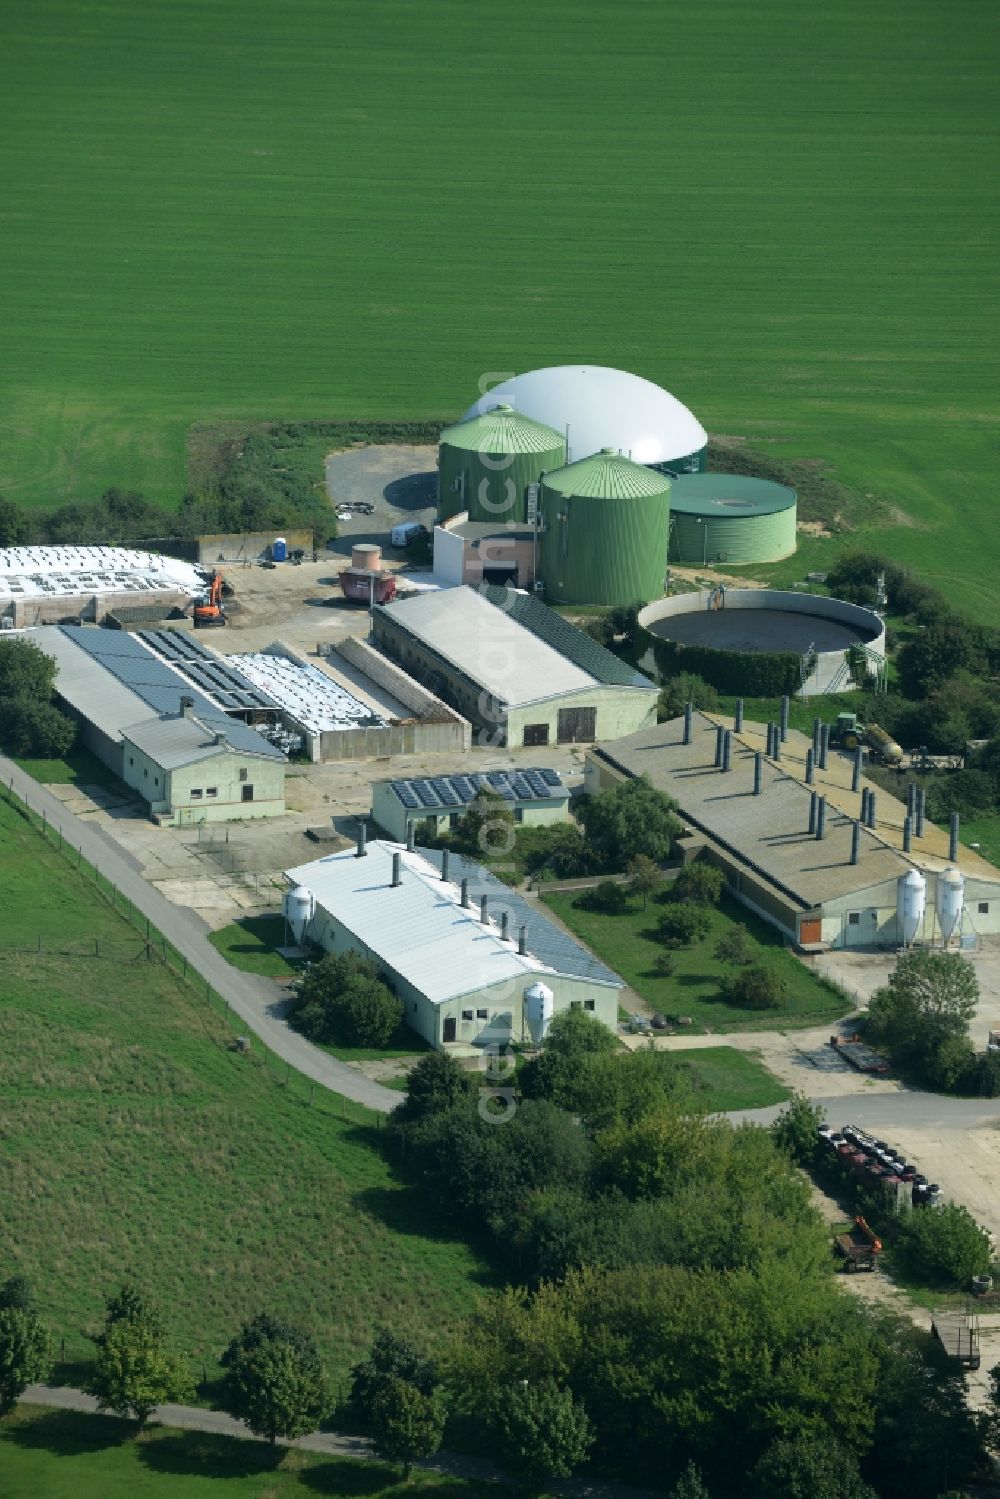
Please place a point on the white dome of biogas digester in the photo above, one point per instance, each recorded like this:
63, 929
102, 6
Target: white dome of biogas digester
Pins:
604, 408
299, 908
539, 1007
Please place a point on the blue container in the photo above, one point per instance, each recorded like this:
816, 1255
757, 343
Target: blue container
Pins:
279, 549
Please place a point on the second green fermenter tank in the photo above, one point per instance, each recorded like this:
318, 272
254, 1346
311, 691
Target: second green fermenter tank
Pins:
603, 531
730, 518
488, 463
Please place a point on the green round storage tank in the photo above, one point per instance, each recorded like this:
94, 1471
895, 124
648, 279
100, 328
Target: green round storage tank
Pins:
603, 531
487, 464
730, 518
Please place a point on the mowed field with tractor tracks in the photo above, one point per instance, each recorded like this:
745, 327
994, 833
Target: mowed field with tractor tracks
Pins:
241, 212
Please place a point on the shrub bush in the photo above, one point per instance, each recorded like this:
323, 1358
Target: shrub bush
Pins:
757, 987
697, 885
682, 924
341, 1001
943, 1246
608, 897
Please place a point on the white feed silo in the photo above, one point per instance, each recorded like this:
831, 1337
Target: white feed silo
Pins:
299, 907
950, 901
539, 1007
911, 900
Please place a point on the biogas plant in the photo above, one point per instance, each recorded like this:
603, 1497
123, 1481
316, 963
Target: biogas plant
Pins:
586, 485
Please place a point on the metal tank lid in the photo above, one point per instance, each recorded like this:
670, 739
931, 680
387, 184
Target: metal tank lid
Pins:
607, 475
501, 429
730, 495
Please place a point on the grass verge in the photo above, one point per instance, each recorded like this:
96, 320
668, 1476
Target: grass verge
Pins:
723, 1078
78, 768
252, 944
66, 1455
627, 942
134, 1141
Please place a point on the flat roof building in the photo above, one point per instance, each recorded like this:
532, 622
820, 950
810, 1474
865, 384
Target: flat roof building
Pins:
520, 672
825, 881
459, 947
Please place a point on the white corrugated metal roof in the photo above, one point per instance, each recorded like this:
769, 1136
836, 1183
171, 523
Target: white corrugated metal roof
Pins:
420, 929
488, 645
603, 408
65, 571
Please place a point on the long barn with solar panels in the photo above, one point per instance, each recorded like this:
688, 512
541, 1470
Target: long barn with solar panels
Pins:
430, 806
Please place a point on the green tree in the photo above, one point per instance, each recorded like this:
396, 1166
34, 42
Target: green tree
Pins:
572, 1036
735, 947
25, 1345
15, 527
631, 818
690, 1485
682, 924
40, 729
391, 1357
133, 1371
486, 830
808, 1466
541, 1431
274, 1379
557, 849
407, 1425
25, 671
796, 1129
758, 987
341, 1000
437, 1082
930, 997
645, 877
685, 688
944, 1246
698, 884
664, 965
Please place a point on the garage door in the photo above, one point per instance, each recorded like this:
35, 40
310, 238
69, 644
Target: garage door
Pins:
577, 725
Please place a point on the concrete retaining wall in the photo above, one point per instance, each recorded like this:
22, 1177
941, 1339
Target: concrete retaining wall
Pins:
249, 546
830, 672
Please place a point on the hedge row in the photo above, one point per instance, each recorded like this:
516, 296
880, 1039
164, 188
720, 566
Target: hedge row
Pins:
752, 673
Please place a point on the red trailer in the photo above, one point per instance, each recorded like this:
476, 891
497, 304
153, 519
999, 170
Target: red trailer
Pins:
365, 586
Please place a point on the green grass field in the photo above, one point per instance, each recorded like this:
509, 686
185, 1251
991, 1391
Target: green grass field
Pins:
627, 943
78, 768
252, 944
134, 1140
105, 1463
228, 213
722, 1078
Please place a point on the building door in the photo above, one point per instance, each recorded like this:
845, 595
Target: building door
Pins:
577, 725
247, 793
536, 733
810, 929
449, 1028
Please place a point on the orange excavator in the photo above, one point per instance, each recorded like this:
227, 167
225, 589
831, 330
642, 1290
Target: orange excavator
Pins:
209, 613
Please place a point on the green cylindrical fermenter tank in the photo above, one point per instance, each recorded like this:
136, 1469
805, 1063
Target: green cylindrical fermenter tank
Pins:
730, 518
604, 523
488, 463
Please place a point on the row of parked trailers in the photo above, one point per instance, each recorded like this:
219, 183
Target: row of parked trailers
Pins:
880, 1165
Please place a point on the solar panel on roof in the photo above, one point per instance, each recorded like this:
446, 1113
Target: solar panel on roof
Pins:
522, 786
405, 794
464, 787
537, 782
499, 782
442, 785
426, 793
551, 777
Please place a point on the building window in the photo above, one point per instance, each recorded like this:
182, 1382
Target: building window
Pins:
536, 733
453, 819
212, 791
518, 814
588, 1004
574, 1004
466, 1014
248, 793
244, 774
156, 780
983, 908
482, 1014
854, 918
131, 761
196, 793
145, 773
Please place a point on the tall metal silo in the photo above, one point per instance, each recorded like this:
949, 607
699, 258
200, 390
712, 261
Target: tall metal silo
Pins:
603, 531
730, 518
488, 463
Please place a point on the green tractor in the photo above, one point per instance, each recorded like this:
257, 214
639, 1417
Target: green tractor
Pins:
847, 733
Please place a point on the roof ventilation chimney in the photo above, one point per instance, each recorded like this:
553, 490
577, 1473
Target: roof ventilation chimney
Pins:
444, 865
921, 812
813, 803
483, 915
465, 892
738, 717
855, 842
810, 764
504, 925
411, 838
775, 743
758, 763
719, 736
953, 840
362, 841
871, 809
824, 745
397, 878
727, 749
187, 706
821, 817
522, 940
784, 719
907, 834
219, 738
688, 714
856, 772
